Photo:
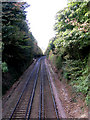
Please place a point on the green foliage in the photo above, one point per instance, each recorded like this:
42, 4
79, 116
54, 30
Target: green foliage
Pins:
19, 45
88, 99
51, 57
72, 45
72, 28
4, 67
58, 62
50, 47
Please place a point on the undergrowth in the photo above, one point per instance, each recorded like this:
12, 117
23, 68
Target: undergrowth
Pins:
76, 73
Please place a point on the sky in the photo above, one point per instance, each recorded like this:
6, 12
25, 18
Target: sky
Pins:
41, 16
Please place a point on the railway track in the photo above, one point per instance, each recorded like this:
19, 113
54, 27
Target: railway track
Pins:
50, 108
36, 97
24, 103
41, 104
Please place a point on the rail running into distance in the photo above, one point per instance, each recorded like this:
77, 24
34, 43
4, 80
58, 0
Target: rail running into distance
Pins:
41, 105
23, 107
42, 98
37, 66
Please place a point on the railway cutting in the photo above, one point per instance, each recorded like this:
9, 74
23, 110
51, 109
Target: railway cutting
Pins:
36, 99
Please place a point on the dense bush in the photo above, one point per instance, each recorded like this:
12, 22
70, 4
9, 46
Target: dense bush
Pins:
72, 44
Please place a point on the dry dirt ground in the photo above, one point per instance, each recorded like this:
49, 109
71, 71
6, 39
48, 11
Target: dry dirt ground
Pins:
74, 106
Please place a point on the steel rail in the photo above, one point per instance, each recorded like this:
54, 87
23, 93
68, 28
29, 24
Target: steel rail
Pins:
55, 107
33, 92
43, 69
27, 108
40, 100
54, 103
28, 105
41, 104
25, 86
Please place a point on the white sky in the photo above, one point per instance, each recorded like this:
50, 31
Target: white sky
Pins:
41, 16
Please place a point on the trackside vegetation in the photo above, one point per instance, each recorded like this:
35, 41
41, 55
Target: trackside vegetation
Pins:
69, 50
19, 46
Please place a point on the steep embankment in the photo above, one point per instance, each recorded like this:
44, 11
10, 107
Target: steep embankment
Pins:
69, 50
